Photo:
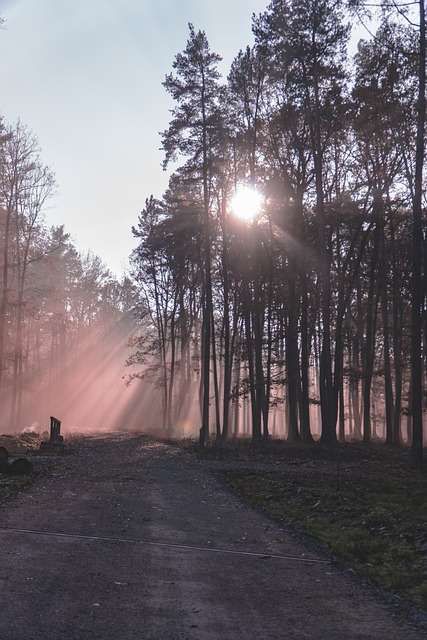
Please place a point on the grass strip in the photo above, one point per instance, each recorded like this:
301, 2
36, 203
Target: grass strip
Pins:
378, 526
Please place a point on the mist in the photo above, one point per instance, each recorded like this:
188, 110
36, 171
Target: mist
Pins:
84, 387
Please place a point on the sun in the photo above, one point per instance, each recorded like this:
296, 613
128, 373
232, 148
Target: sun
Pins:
246, 203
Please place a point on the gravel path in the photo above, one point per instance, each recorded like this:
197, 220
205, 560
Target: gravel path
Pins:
129, 539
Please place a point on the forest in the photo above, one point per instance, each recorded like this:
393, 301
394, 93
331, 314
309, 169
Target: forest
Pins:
304, 322
308, 321
64, 319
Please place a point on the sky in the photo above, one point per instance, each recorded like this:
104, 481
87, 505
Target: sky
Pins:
86, 79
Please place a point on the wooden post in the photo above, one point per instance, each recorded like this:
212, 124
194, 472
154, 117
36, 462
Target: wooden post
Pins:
55, 430
56, 441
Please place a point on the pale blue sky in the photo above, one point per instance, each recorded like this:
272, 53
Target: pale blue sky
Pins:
86, 77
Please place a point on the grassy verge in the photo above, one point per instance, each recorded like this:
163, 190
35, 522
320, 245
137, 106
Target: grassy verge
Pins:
18, 446
373, 514
11, 485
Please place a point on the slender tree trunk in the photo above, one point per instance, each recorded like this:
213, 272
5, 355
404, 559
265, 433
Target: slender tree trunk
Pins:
341, 423
328, 435
305, 427
5, 291
292, 364
171, 385
384, 289
257, 322
255, 407
397, 345
204, 430
417, 238
267, 394
216, 383
369, 351
386, 339
228, 354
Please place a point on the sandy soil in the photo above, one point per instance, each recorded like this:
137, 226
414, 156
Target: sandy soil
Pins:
125, 538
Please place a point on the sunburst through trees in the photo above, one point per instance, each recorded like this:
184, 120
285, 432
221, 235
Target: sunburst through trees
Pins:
310, 309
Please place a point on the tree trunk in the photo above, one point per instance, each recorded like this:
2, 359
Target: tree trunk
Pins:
328, 435
397, 345
304, 409
386, 337
417, 238
292, 364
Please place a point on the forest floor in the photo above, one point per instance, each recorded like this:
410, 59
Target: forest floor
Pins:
124, 536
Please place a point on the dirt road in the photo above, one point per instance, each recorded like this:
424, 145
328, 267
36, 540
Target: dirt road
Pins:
129, 539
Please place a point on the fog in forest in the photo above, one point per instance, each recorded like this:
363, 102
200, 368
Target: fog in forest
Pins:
297, 322
86, 390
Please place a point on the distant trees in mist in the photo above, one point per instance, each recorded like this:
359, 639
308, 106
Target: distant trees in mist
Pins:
308, 311
60, 311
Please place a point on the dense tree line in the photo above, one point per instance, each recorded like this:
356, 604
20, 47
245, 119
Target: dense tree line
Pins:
300, 323
60, 310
